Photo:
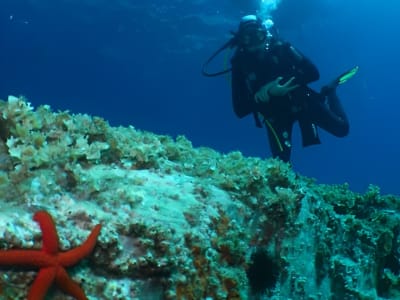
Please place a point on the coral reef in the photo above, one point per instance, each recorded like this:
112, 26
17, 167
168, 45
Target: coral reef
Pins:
186, 223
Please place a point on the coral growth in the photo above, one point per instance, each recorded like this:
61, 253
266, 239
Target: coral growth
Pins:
187, 223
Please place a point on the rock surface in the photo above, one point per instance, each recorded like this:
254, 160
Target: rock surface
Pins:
186, 223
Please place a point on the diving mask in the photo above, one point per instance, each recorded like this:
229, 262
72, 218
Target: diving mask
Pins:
252, 32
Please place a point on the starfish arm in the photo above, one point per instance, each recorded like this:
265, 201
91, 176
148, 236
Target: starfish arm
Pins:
49, 233
42, 283
71, 257
68, 286
25, 258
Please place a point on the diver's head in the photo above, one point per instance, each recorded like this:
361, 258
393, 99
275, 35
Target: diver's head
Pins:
252, 33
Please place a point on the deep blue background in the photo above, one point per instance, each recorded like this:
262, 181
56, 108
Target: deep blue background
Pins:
138, 62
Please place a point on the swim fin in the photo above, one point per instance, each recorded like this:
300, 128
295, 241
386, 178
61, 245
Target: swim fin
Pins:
331, 87
347, 75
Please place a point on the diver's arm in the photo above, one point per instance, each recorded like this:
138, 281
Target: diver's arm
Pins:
242, 100
306, 70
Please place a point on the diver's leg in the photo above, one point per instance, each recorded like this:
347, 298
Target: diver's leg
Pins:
336, 106
330, 115
280, 136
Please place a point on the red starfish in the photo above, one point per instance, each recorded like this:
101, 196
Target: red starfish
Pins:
50, 261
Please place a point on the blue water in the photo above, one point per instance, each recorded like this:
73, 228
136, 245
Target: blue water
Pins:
138, 62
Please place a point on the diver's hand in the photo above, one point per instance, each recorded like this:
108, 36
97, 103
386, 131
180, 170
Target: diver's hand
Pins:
262, 94
278, 89
275, 89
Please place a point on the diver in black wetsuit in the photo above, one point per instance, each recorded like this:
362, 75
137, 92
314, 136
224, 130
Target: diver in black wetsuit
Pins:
269, 80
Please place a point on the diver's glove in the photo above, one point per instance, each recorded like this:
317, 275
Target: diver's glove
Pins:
275, 89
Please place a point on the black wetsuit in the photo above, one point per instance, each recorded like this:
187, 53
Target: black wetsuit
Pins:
252, 70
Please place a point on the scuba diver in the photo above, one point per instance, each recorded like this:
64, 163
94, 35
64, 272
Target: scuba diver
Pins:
269, 80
